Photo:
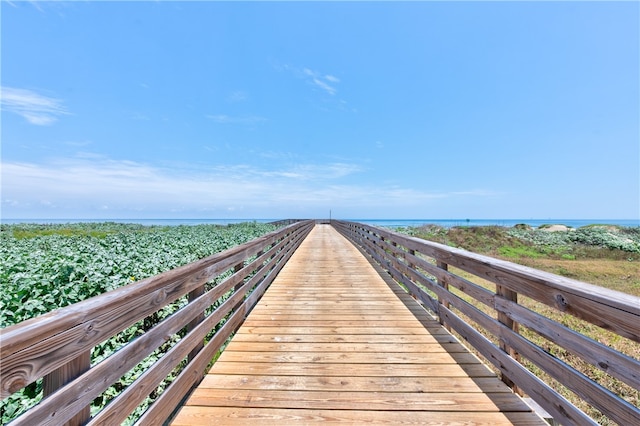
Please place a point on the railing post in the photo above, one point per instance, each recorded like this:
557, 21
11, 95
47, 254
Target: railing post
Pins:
512, 296
412, 252
63, 375
260, 253
413, 267
240, 284
193, 295
442, 283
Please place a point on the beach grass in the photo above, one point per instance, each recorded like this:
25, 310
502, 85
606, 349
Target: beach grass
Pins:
614, 266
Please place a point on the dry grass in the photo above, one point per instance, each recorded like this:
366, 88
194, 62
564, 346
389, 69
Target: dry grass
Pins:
620, 275
606, 268
614, 341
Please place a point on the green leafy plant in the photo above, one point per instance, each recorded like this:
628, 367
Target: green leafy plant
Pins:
47, 267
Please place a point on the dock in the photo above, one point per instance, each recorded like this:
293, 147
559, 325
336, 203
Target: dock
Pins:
332, 340
330, 321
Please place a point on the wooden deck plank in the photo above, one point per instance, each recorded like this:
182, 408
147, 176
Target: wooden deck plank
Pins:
363, 400
347, 357
350, 383
195, 416
344, 338
362, 370
332, 341
422, 348
305, 322
415, 331
287, 316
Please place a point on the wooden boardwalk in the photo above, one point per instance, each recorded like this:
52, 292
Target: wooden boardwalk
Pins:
332, 341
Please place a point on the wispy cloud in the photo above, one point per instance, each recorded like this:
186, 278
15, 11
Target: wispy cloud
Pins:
309, 172
138, 116
238, 96
92, 182
325, 82
277, 155
227, 119
35, 108
317, 173
78, 144
92, 185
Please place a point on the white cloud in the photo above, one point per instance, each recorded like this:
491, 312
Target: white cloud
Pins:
92, 186
138, 116
324, 171
246, 120
36, 4
324, 86
35, 108
277, 155
324, 82
238, 96
78, 144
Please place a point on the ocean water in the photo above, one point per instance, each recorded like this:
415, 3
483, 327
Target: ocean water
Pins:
390, 223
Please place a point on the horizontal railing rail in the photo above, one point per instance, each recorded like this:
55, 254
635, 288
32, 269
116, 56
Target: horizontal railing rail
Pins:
286, 222
215, 295
426, 270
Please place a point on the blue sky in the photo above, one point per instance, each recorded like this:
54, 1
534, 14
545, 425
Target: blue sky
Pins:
291, 109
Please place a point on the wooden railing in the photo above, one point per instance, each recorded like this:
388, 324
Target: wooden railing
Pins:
425, 270
57, 346
286, 222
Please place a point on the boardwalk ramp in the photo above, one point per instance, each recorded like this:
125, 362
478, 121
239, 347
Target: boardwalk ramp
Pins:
333, 341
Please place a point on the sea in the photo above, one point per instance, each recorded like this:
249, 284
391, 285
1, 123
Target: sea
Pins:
388, 223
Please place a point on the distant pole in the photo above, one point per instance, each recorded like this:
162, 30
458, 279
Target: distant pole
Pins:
329, 215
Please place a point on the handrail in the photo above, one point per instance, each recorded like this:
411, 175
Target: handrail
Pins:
286, 222
56, 346
422, 267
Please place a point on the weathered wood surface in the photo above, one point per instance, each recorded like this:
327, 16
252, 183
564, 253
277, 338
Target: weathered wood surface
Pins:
38, 346
417, 265
57, 345
331, 340
612, 310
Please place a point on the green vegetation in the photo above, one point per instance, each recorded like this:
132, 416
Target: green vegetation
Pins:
96, 230
604, 255
46, 267
595, 241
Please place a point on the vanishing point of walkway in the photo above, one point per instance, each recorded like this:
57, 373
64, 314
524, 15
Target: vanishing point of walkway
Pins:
332, 341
